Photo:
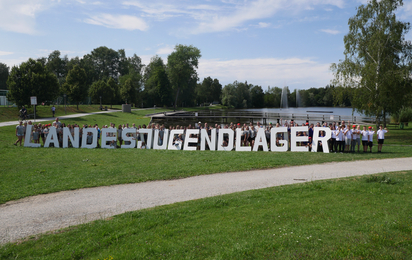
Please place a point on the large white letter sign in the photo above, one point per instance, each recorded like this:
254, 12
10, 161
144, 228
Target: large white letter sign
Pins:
131, 139
294, 139
324, 139
204, 138
28, 137
231, 136
178, 145
67, 135
149, 133
52, 138
261, 140
93, 131
105, 138
273, 136
239, 146
156, 145
190, 140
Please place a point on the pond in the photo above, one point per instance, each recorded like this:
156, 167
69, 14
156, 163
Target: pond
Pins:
263, 115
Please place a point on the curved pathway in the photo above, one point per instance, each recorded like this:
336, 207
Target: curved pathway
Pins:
42, 213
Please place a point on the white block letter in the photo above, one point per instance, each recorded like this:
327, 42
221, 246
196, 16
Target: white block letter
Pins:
260, 140
128, 138
231, 136
94, 141
67, 135
273, 135
239, 146
324, 140
156, 145
294, 139
178, 145
190, 140
52, 138
204, 138
28, 137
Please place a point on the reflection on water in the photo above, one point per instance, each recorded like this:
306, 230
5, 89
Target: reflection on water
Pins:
264, 116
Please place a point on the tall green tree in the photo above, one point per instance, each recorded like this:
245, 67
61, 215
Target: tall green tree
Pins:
76, 85
31, 78
158, 90
377, 59
181, 69
257, 96
102, 63
100, 89
58, 66
4, 75
112, 84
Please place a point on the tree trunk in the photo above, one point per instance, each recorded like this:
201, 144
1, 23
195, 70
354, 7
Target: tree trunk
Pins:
177, 95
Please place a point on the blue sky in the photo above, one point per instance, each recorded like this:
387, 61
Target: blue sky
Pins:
265, 42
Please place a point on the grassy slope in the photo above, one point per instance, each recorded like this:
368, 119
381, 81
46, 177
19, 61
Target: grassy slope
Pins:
351, 218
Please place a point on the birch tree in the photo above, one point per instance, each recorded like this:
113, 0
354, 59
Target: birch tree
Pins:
377, 64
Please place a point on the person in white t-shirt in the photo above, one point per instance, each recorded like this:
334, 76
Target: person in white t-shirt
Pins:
365, 139
381, 136
370, 138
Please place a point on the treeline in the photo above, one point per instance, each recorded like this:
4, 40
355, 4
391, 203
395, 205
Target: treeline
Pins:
244, 95
110, 77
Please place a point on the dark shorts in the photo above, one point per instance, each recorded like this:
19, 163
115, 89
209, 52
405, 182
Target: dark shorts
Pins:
380, 141
364, 143
370, 144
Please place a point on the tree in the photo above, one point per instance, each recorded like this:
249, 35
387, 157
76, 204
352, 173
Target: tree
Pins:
208, 91
32, 79
257, 96
58, 66
181, 68
102, 63
158, 90
4, 75
114, 88
273, 96
377, 59
76, 84
100, 89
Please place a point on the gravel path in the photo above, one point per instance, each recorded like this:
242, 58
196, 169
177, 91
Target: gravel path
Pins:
39, 214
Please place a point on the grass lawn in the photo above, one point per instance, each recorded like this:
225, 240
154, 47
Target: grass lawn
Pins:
366, 217
12, 113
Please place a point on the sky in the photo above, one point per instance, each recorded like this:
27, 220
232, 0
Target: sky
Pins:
264, 42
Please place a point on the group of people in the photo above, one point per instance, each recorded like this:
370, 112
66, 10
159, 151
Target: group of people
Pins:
344, 137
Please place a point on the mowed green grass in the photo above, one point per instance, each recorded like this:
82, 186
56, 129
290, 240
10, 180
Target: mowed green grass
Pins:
365, 217
32, 171
12, 113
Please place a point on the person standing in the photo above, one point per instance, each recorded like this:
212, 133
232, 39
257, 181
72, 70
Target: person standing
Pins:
381, 136
53, 109
20, 129
370, 138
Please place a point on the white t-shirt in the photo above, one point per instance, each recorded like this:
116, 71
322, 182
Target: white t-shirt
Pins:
364, 135
370, 134
381, 133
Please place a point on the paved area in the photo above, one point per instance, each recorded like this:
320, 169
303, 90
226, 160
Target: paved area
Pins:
39, 214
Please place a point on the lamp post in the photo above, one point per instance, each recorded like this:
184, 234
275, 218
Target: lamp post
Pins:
65, 112
101, 103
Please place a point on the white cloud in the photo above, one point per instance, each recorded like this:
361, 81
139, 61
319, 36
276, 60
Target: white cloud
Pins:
5, 53
165, 50
20, 16
330, 31
126, 22
294, 72
229, 14
263, 25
